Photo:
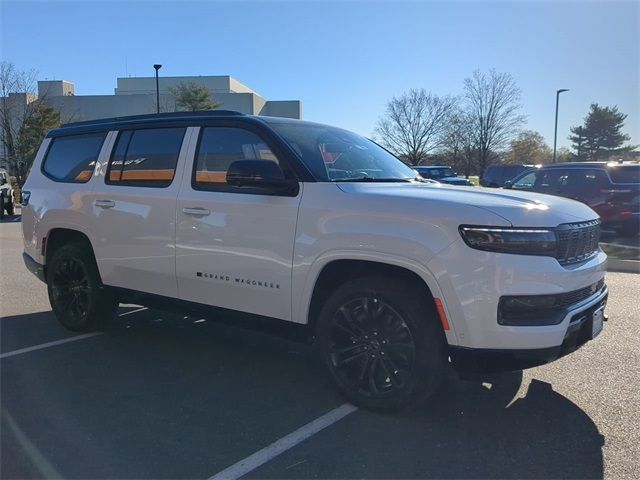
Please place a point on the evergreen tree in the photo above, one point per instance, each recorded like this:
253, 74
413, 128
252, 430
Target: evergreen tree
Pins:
30, 136
192, 97
601, 135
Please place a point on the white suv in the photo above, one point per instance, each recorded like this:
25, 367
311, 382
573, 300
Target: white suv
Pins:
306, 223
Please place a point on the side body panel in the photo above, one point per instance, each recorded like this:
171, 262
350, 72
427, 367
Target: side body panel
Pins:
238, 255
57, 204
134, 240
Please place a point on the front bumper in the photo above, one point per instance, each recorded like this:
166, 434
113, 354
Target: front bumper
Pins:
472, 282
34, 267
579, 332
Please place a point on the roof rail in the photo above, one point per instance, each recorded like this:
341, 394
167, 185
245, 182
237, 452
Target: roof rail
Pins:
158, 116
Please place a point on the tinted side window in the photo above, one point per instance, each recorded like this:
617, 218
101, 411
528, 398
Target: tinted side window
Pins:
146, 158
625, 173
72, 159
221, 146
571, 179
526, 182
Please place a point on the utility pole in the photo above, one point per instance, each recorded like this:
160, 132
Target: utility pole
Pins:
555, 131
157, 66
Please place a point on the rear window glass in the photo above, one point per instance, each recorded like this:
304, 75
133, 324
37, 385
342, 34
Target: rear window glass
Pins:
72, 159
625, 173
436, 172
146, 158
503, 173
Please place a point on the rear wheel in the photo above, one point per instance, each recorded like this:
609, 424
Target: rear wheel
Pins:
382, 343
77, 297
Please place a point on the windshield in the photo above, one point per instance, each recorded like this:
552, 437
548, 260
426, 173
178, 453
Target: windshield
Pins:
336, 155
440, 172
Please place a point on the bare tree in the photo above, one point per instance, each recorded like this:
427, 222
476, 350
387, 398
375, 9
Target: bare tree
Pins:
22, 114
458, 145
414, 123
17, 92
492, 101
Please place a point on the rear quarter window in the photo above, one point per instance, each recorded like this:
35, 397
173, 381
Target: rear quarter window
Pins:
71, 159
624, 173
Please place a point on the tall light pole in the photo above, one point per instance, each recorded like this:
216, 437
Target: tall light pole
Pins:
157, 66
555, 131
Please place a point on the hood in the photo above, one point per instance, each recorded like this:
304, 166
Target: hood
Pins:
521, 209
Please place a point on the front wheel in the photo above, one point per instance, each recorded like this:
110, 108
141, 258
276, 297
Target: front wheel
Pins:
382, 343
77, 297
10, 209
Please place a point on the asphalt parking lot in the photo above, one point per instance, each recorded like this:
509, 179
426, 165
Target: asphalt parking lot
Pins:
160, 395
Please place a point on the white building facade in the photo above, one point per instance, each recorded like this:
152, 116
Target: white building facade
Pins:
137, 96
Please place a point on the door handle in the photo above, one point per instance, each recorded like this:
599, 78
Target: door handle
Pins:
197, 211
105, 203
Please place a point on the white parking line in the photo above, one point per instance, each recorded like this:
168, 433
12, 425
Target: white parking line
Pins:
285, 443
49, 344
133, 311
62, 341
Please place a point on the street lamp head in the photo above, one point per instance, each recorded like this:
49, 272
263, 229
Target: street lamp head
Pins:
157, 66
563, 90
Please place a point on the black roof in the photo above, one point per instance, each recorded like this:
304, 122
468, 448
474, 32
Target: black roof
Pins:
157, 116
114, 123
588, 164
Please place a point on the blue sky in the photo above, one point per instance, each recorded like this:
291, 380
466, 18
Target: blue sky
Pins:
344, 60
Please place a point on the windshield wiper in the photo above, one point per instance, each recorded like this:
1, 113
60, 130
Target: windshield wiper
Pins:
374, 180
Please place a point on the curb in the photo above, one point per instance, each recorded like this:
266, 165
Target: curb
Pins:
623, 266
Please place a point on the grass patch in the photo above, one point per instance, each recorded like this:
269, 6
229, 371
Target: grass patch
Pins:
621, 252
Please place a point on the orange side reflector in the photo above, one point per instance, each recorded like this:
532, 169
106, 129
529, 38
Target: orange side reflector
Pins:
441, 314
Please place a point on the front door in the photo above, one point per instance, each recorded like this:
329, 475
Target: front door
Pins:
234, 246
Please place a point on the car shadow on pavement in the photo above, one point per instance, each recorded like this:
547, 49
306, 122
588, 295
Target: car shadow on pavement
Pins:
178, 396
466, 430
479, 430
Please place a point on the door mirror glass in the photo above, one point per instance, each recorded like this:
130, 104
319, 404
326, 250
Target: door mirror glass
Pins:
259, 174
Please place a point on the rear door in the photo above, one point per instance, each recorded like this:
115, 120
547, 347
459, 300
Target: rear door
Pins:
134, 210
234, 245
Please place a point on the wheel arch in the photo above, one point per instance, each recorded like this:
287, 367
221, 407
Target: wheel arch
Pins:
334, 271
58, 236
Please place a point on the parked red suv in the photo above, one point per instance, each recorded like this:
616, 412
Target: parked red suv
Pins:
611, 189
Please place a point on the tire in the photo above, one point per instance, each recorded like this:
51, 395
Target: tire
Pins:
10, 209
77, 297
382, 343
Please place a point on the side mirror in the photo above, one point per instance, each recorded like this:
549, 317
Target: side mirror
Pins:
508, 184
263, 174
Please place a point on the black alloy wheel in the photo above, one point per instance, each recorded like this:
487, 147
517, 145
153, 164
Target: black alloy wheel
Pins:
78, 298
70, 290
371, 348
381, 342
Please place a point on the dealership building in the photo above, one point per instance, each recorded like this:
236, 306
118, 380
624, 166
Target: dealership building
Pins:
137, 95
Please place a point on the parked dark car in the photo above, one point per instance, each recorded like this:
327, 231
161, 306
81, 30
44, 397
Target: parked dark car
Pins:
442, 174
496, 175
611, 189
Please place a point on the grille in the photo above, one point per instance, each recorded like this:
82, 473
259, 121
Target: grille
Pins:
571, 298
577, 241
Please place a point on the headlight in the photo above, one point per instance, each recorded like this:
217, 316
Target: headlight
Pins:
524, 241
